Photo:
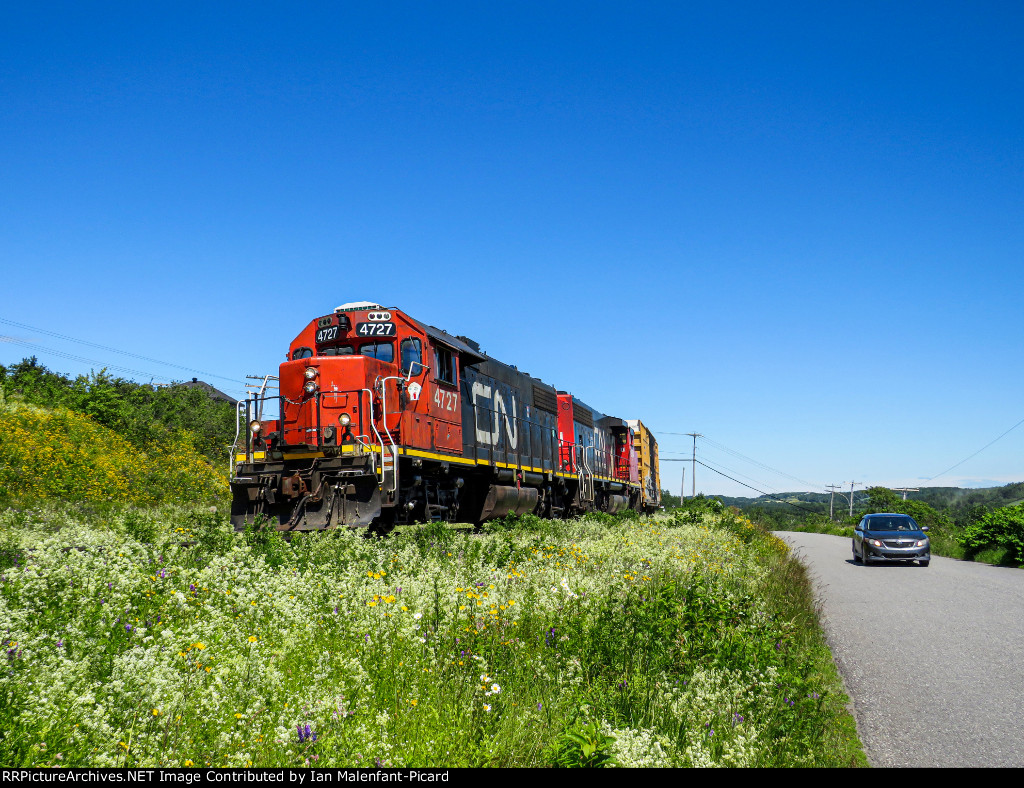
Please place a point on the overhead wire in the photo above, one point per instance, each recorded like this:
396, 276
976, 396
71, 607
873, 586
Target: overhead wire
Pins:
730, 478
979, 451
112, 350
12, 341
734, 453
4, 340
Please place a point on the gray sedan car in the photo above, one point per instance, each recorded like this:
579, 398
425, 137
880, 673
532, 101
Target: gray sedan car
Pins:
884, 538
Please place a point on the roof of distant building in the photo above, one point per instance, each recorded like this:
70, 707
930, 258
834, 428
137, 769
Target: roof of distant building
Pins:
213, 393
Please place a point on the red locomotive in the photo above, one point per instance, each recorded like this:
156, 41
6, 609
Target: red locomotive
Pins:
386, 420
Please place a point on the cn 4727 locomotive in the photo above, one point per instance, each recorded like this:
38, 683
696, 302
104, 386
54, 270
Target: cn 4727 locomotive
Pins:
385, 420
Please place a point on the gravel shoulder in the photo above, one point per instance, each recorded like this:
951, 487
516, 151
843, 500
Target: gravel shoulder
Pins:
932, 657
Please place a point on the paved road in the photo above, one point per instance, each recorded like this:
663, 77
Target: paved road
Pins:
933, 658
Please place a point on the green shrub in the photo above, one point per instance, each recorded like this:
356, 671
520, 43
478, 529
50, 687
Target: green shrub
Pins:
1000, 528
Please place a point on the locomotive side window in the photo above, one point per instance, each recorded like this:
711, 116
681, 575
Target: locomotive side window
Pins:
444, 365
302, 352
382, 351
412, 354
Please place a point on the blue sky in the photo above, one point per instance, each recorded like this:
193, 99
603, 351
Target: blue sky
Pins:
795, 228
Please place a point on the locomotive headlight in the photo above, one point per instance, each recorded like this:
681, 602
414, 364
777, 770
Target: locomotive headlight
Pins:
310, 373
255, 427
310, 386
344, 419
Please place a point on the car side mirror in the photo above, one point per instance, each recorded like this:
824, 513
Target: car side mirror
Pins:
924, 527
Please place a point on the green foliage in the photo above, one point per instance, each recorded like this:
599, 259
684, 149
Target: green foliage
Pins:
1002, 528
10, 546
696, 510
56, 453
212, 531
584, 747
143, 415
140, 525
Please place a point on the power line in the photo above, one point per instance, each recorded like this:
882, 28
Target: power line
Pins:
110, 349
780, 500
71, 357
734, 453
748, 478
979, 451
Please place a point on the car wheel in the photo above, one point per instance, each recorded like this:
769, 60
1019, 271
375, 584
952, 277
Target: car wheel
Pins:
856, 558
864, 556
924, 563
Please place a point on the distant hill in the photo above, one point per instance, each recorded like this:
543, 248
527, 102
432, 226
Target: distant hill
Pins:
939, 498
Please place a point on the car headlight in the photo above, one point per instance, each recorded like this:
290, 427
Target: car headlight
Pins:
921, 543
875, 542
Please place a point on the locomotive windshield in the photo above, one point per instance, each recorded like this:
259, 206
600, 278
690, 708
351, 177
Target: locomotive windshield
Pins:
342, 350
382, 351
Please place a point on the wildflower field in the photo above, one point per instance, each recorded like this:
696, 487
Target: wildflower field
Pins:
135, 637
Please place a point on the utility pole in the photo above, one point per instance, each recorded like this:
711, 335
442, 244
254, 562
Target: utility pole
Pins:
905, 490
851, 496
693, 469
831, 500
682, 486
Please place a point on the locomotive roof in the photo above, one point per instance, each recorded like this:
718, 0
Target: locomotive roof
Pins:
469, 355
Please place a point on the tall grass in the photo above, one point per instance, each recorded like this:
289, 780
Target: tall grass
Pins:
162, 638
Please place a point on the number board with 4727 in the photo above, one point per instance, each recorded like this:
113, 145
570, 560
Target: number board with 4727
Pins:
375, 329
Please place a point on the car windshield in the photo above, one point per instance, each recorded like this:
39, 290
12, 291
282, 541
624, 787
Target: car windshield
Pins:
891, 524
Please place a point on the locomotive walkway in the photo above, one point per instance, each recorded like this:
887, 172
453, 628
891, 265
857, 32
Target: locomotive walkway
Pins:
931, 657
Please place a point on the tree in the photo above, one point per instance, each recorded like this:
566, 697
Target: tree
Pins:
882, 499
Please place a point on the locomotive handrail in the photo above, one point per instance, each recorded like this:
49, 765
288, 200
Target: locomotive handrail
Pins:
384, 421
586, 474
373, 425
234, 444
